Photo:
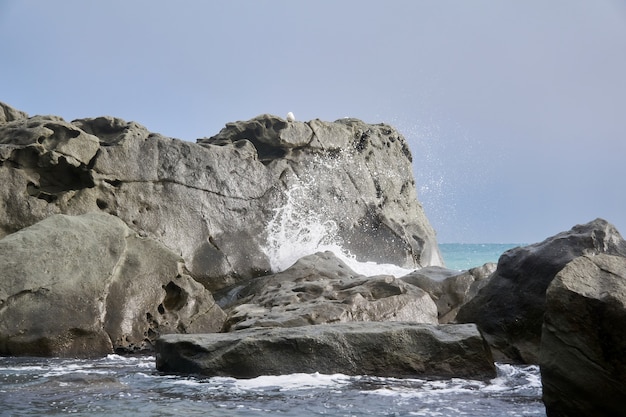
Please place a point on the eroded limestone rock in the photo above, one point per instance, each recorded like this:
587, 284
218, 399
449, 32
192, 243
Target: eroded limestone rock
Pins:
320, 288
231, 203
88, 286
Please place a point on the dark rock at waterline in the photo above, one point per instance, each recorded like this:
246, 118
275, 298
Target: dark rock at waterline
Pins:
509, 309
382, 349
320, 288
583, 342
88, 286
213, 201
450, 289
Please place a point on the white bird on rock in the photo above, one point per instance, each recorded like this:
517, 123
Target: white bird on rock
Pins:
290, 117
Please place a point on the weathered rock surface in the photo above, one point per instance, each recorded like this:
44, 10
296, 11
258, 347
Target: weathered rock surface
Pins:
9, 114
88, 286
509, 309
230, 203
352, 175
383, 349
450, 289
583, 343
320, 288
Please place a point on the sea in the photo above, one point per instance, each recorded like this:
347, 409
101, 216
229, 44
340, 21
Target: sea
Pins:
131, 385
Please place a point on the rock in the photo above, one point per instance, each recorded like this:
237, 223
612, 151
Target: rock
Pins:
249, 201
509, 309
383, 349
450, 289
9, 114
352, 179
583, 366
88, 286
319, 289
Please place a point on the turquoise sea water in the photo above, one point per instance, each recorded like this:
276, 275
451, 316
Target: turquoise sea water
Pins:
463, 256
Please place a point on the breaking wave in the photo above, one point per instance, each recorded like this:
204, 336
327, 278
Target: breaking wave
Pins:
297, 230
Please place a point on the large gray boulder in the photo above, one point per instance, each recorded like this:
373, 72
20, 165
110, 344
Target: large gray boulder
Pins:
320, 288
583, 343
509, 309
450, 289
382, 349
249, 201
88, 286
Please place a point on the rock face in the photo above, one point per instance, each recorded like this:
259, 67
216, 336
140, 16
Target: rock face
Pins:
9, 114
450, 289
252, 199
319, 289
583, 366
382, 349
88, 286
352, 178
509, 309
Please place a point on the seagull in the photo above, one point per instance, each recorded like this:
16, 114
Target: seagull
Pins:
290, 117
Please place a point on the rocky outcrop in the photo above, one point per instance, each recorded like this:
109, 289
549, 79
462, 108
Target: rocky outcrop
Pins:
88, 286
450, 289
320, 288
509, 310
583, 366
353, 178
251, 200
9, 114
382, 349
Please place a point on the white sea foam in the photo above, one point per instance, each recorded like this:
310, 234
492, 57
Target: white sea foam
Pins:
515, 378
296, 230
298, 381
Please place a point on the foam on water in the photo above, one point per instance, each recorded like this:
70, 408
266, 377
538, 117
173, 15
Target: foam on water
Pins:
292, 382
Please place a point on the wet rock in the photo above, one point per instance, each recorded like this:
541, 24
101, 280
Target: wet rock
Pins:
450, 289
509, 310
88, 286
583, 367
320, 288
383, 349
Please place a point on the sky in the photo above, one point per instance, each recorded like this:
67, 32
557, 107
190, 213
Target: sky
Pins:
515, 111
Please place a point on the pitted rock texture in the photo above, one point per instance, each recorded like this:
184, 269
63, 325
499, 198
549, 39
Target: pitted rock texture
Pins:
88, 286
583, 366
450, 289
9, 114
380, 349
509, 310
320, 288
228, 203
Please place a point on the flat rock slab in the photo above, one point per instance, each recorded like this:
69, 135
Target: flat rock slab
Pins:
394, 349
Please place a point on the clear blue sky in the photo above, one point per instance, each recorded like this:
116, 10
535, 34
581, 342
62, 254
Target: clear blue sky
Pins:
515, 111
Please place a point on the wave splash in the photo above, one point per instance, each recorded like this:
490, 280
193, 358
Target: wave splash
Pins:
297, 229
